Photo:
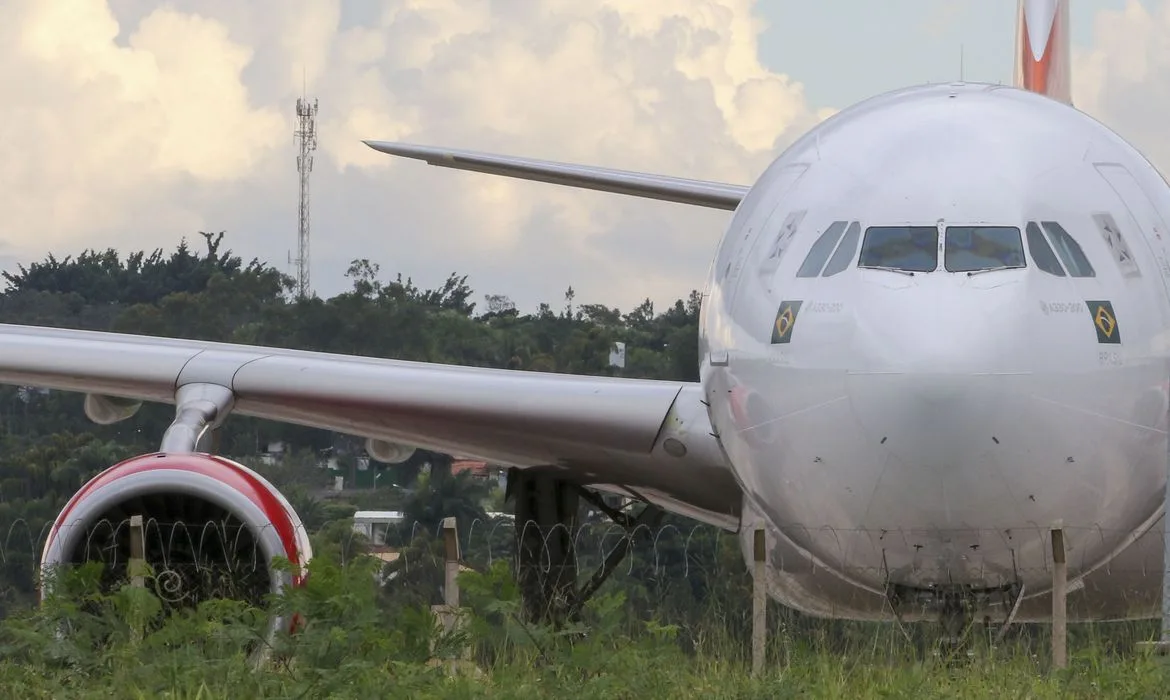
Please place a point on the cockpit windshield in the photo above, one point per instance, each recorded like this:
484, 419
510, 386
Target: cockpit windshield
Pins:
972, 248
905, 248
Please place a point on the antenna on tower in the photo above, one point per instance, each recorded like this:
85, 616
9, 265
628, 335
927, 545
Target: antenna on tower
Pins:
306, 136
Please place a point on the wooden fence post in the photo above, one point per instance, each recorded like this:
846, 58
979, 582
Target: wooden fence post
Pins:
449, 614
451, 565
759, 602
137, 565
1059, 599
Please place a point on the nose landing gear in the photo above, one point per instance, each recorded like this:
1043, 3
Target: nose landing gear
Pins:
954, 617
955, 606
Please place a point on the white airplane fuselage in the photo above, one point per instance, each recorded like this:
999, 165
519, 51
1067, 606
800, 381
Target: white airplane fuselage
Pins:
925, 428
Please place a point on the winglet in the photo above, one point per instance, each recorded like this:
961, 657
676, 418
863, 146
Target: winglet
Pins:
701, 193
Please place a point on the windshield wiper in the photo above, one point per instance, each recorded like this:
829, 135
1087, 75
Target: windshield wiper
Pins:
908, 273
972, 273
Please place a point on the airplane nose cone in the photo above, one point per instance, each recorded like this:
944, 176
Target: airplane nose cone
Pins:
927, 422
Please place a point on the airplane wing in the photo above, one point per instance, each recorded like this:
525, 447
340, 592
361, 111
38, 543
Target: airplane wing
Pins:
701, 193
648, 438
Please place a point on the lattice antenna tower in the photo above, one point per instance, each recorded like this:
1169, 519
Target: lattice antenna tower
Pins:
306, 136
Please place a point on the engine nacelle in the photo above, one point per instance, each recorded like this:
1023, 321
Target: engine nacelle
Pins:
388, 452
211, 529
107, 410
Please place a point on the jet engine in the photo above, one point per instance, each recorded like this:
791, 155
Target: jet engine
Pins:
210, 528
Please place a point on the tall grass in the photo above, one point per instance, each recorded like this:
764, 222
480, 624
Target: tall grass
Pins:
87, 643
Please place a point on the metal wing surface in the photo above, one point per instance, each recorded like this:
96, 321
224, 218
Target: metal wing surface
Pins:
714, 195
649, 438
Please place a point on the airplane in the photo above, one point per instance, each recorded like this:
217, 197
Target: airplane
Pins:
935, 327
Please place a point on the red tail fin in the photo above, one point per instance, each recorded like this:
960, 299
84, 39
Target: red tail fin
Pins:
1042, 49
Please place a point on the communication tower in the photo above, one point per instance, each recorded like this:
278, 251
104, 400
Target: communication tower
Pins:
306, 136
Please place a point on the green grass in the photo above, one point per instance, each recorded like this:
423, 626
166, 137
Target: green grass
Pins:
631, 670
357, 643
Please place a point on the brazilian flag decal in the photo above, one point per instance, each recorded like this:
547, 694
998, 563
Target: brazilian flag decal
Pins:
785, 320
1105, 321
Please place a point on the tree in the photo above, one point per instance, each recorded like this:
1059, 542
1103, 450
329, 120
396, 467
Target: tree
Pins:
498, 304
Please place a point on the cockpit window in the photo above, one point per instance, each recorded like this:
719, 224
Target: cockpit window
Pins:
907, 248
971, 248
1069, 251
1042, 252
845, 252
821, 250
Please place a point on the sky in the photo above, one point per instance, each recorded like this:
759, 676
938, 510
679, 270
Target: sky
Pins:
133, 124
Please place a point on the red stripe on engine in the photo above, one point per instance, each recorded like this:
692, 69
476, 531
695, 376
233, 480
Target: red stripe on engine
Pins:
222, 470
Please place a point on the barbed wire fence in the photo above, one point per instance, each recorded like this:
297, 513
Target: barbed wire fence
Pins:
190, 562
228, 545
225, 546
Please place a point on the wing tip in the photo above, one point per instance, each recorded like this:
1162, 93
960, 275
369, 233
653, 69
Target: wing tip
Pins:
409, 150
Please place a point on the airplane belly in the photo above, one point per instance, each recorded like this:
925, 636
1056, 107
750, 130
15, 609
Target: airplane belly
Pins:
949, 486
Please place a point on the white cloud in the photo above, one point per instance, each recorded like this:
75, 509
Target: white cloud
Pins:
133, 125
96, 133
1123, 78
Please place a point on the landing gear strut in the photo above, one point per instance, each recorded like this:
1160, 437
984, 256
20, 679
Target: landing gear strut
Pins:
955, 606
547, 523
954, 616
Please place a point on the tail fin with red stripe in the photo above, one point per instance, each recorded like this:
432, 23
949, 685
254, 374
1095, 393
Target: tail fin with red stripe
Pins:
1042, 49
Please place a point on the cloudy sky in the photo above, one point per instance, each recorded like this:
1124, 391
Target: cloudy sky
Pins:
133, 124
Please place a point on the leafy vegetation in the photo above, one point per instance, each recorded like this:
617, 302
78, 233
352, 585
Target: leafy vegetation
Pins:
672, 622
355, 645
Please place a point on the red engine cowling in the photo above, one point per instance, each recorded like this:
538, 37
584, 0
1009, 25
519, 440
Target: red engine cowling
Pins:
211, 528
